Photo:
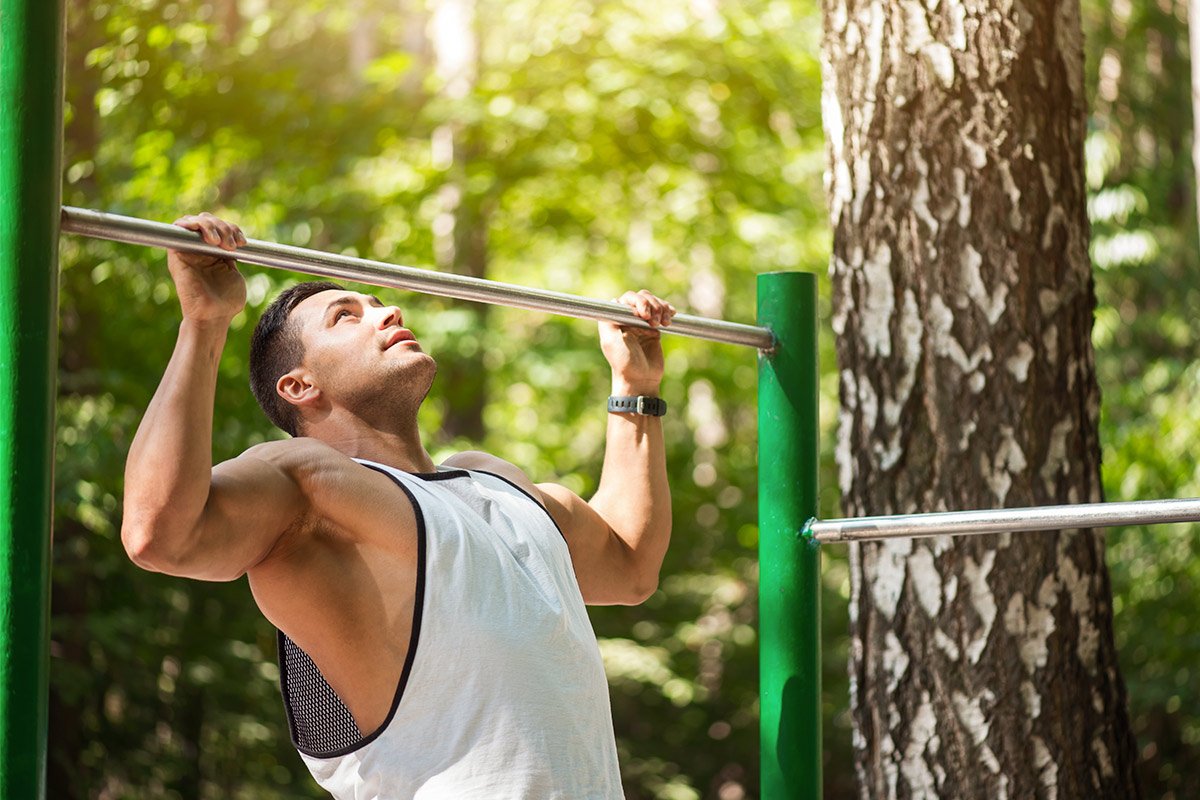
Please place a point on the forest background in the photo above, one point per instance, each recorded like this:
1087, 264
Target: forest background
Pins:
587, 147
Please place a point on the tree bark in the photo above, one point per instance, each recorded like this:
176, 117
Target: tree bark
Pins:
981, 667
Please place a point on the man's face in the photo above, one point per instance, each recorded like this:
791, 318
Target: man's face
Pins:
359, 353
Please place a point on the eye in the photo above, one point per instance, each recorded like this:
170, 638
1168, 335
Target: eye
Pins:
338, 315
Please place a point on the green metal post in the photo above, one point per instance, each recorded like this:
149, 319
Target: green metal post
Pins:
31, 58
789, 563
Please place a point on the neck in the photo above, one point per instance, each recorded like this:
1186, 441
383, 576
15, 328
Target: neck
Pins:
396, 445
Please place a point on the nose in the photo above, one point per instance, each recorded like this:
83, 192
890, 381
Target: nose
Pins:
389, 316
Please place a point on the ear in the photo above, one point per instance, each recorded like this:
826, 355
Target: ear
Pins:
297, 387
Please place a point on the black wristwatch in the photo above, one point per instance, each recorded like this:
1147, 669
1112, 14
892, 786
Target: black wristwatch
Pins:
642, 404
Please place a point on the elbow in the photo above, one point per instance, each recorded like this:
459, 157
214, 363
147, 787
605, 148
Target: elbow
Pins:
148, 546
642, 588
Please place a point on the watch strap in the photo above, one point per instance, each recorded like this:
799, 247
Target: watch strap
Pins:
642, 404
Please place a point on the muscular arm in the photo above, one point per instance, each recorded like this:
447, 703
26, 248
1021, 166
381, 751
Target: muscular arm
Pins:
180, 515
171, 490
618, 538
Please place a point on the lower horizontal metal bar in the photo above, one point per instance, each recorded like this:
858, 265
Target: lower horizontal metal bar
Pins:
1005, 520
117, 228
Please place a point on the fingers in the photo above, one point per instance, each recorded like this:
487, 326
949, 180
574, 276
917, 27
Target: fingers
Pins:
654, 310
214, 230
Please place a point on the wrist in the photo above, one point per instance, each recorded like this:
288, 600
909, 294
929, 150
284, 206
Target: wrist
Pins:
627, 388
218, 326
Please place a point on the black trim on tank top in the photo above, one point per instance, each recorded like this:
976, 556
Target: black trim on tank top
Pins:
535, 501
418, 610
438, 476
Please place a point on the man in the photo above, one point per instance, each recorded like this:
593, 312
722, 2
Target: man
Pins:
433, 637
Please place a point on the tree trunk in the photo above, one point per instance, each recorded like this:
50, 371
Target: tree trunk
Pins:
981, 667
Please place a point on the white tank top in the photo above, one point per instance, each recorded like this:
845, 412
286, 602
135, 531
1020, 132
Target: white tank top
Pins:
502, 694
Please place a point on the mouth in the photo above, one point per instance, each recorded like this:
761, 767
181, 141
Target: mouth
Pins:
399, 336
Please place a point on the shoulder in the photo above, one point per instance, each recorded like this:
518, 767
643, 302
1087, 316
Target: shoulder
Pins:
309, 463
486, 462
336, 489
295, 453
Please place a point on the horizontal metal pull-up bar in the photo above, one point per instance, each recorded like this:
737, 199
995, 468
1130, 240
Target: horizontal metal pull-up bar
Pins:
1005, 520
117, 228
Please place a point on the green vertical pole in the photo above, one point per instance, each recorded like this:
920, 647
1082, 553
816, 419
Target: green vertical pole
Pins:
789, 563
31, 57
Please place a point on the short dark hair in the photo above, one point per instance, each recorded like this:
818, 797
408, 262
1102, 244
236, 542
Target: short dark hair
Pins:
276, 349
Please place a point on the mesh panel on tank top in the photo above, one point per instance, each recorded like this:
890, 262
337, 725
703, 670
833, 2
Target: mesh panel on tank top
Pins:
321, 721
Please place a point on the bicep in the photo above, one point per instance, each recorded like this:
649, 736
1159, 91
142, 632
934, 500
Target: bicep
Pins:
253, 501
603, 562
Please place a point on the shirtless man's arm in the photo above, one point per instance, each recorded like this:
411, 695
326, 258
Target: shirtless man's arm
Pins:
618, 538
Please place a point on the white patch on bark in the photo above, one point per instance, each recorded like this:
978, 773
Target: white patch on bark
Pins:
1078, 588
976, 154
842, 453
941, 321
1049, 301
1057, 462
913, 767
945, 644
958, 31
1056, 218
1050, 344
891, 770
854, 556
920, 196
878, 303
1031, 625
875, 26
940, 544
992, 305
889, 455
982, 600
868, 404
964, 440
889, 569
970, 714
1016, 219
989, 760
910, 356
1103, 758
976, 382
1018, 364
838, 184
951, 588
926, 580
1047, 769
916, 27
1032, 700
941, 62
1009, 460
964, 197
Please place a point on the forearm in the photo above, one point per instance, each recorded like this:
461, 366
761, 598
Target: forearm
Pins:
634, 497
169, 468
